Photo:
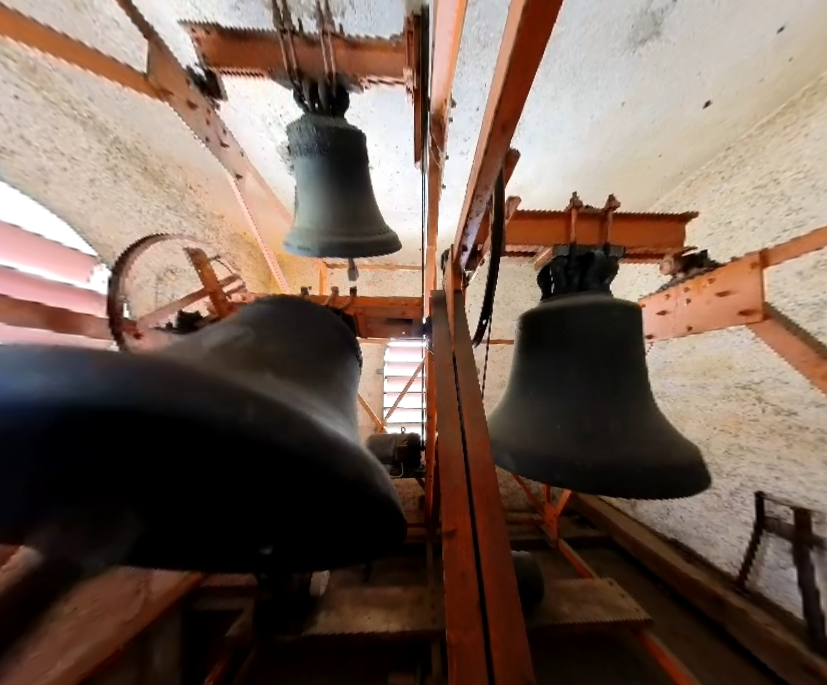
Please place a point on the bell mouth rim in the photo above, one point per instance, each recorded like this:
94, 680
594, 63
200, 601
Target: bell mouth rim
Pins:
686, 478
384, 245
313, 449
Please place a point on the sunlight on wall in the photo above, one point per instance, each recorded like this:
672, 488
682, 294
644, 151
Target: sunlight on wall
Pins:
22, 211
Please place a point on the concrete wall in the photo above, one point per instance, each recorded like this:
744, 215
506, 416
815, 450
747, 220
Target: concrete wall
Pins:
761, 425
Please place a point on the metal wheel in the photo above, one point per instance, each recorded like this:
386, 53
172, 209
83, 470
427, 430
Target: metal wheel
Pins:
144, 334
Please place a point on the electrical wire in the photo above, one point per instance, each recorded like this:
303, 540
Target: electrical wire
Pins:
487, 350
424, 73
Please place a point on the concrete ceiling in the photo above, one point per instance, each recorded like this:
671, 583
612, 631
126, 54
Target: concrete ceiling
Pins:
618, 103
617, 106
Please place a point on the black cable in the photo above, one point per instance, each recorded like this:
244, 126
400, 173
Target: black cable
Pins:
424, 75
487, 350
497, 247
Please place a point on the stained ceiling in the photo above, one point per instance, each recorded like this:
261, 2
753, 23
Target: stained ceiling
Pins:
670, 104
631, 97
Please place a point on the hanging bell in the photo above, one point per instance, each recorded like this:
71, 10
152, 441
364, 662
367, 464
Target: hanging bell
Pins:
233, 450
336, 214
578, 411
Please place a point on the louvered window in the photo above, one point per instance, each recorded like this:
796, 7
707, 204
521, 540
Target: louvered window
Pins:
402, 359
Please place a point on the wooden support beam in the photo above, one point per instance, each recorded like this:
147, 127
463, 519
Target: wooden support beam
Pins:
796, 247
26, 31
763, 636
383, 317
732, 295
267, 217
507, 637
449, 19
377, 422
632, 230
527, 30
256, 53
96, 620
805, 353
465, 638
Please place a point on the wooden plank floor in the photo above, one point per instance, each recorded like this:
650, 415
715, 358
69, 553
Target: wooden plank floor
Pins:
599, 658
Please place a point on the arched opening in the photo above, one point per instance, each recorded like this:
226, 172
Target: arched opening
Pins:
42, 259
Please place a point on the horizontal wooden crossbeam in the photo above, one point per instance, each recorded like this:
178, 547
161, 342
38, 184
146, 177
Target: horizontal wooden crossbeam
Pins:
376, 317
96, 620
637, 232
734, 295
44, 39
257, 53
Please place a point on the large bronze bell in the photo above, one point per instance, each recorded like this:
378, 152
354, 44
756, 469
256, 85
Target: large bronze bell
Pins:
233, 450
336, 214
578, 411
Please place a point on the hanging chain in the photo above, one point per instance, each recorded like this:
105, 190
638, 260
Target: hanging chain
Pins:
285, 30
323, 94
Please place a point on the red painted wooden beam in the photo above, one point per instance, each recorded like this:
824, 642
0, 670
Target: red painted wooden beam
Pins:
527, 31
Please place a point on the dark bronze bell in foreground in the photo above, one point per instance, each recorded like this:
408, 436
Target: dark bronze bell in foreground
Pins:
336, 214
234, 450
578, 411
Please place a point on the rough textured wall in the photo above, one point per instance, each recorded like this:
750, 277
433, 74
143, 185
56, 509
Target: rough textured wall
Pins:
761, 425
664, 87
116, 167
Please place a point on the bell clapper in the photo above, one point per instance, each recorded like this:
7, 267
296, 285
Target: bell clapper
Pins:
352, 271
